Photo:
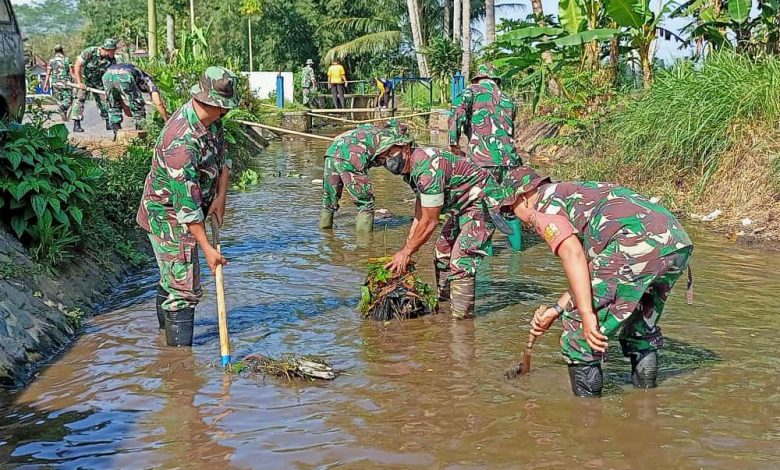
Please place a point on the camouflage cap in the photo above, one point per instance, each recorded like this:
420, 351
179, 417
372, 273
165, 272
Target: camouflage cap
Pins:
486, 70
109, 44
309, 62
218, 87
393, 134
523, 179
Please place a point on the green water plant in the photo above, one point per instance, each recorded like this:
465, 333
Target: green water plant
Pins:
385, 297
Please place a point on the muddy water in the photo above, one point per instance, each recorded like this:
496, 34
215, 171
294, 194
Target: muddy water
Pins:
427, 393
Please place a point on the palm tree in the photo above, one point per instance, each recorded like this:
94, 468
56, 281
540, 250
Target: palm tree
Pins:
151, 10
417, 37
466, 37
490, 21
456, 19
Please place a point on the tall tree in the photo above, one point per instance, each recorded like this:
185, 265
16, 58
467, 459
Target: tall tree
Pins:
250, 8
151, 31
456, 19
466, 37
490, 21
417, 36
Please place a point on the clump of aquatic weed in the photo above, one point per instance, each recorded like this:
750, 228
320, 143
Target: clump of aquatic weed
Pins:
289, 367
384, 297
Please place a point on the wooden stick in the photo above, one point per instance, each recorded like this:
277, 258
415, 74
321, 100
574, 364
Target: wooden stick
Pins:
366, 121
285, 131
224, 340
93, 90
348, 110
527, 353
333, 118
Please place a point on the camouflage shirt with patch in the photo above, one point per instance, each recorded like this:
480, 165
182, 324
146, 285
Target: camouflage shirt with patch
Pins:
354, 151
94, 66
598, 213
486, 116
59, 67
187, 160
142, 80
441, 179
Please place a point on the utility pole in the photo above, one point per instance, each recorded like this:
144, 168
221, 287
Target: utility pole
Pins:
151, 33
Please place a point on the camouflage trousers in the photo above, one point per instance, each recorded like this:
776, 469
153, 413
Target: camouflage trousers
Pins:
626, 303
121, 91
77, 110
464, 242
64, 97
335, 180
308, 93
179, 271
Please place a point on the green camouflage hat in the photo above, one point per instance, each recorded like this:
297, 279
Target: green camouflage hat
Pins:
109, 44
391, 135
486, 70
309, 62
523, 179
217, 87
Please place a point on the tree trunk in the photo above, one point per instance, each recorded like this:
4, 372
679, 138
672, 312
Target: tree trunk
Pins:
192, 15
151, 30
490, 21
414, 21
447, 18
466, 26
536, 6
647, 69
251, 59
614, 54
456, 20
170, 34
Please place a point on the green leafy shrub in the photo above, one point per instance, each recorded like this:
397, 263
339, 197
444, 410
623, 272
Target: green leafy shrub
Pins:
44, 186
121, 184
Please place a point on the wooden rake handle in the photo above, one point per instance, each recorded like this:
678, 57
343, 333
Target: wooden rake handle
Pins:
224, 340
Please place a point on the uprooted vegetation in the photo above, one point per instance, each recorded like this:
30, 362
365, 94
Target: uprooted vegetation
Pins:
385, 297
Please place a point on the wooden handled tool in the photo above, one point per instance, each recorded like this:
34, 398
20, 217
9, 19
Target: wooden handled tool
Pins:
524, 366
224, 340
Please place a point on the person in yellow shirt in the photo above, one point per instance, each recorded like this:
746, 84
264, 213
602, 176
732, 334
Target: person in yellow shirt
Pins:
337, 82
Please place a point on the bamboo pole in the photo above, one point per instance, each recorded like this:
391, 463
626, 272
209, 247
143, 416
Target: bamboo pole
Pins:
224, 340
285, 131
93, 90
366, 121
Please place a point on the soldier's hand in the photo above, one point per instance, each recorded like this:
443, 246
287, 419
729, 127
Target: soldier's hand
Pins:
456, 150
398, 264
591, 332
214, 258
543, 319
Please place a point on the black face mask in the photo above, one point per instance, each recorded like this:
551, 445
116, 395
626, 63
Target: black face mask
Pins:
395, 164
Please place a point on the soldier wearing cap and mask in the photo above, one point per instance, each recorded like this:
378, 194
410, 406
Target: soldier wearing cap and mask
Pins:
308, 82
622, 255
188, 183
90, 66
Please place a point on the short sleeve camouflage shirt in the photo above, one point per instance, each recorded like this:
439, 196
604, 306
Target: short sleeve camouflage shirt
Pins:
94, 66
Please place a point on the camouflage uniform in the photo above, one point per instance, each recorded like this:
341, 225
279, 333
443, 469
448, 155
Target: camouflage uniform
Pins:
125, 83
59, 66
178, 191
636, 251
92, 71
347, 162
486, 116
442, 179
308, 83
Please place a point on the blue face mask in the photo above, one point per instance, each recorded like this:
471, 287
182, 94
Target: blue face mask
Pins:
395, 164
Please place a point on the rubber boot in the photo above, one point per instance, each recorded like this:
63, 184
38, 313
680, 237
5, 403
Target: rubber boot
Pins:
115, 128
644, 369
443, 284
77, 126
326, 219
179, 326
516, 238
161, 296
108, 125
462, 298
586, 380
364, 222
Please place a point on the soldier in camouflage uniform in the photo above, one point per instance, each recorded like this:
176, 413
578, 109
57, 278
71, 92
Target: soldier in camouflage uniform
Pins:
622, 255
446, 184
91, 64
347, 162
124, 85
308, 82
187, 183
487, 118
57, 76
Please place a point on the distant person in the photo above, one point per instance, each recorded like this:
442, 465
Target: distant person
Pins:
124, 85
385, 95
90, 66
337, 82
308, 82
188, 183
621, 253
58, 74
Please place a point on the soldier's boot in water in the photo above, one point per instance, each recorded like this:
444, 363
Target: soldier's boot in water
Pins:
326, 219
443, 284
179, 326
462, 298
644, 369
161, 297
364, 222
77, 126
587, 380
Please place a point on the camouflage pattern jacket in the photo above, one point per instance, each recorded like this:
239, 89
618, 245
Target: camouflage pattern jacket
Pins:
182, 182
354, 150
142, 80
308, 79
486, 116
442, 179
598, 213
94, 66
59, 65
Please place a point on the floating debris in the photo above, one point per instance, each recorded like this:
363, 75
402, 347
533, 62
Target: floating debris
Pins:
289, 367
385, 298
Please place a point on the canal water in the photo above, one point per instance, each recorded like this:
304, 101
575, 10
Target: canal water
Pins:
426, 393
